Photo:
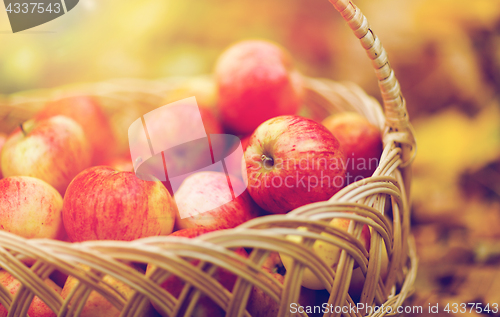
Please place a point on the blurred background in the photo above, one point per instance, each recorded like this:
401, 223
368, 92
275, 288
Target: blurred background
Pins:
446, 54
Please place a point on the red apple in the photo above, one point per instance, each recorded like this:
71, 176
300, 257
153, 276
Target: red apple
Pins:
205, 200
54, 150
37, 307
30, 208
104, 204
3, 137
361, 142
174, 284
87, 112
256, 81
293, 161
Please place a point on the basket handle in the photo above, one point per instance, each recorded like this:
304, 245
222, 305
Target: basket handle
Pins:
397, 119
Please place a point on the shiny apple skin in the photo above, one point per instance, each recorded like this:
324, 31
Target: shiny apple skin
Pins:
293, 161
105, 204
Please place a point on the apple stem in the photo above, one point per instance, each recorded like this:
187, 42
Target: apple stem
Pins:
266, 159
22, 129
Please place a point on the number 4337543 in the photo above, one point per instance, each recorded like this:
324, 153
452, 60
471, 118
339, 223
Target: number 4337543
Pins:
462, 308
33, 7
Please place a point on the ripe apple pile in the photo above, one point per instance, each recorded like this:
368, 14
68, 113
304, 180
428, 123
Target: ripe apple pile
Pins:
63, 176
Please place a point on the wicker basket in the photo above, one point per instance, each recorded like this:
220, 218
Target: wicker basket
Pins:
381, 202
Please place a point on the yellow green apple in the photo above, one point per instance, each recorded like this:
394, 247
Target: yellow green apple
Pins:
329, 253
30, 208
54, 150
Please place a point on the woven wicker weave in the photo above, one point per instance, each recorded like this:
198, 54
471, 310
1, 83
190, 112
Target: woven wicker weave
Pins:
364, 202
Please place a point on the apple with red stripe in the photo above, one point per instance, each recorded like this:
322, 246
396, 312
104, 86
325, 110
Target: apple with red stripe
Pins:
292, 161
102, 203
54, 150
30, 208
